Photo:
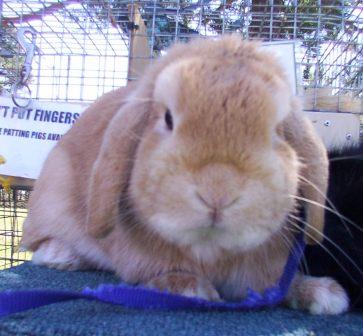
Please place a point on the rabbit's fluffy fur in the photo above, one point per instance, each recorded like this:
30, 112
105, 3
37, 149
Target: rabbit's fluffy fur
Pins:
195, 201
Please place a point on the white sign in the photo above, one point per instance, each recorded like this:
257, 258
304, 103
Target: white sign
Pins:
28, 134
285, 52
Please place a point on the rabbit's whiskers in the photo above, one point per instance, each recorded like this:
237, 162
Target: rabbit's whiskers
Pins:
336, 246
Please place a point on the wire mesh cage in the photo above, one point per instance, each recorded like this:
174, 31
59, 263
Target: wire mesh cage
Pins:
12, 214
85, 48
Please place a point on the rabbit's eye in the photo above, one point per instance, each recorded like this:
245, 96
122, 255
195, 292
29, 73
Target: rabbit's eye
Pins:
169, 120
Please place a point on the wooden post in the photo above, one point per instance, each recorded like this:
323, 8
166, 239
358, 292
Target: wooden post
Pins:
139, 54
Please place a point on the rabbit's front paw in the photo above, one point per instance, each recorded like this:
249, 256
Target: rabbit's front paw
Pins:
318, 295
56, 254
185, 284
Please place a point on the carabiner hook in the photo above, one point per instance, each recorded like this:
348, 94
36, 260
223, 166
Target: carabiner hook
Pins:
29, 48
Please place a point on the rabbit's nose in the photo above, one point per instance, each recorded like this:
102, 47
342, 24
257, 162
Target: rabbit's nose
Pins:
216, 203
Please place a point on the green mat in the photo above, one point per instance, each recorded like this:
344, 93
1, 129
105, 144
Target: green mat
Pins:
83, 317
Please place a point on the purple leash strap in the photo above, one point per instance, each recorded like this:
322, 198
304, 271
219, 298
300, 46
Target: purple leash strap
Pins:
143, 298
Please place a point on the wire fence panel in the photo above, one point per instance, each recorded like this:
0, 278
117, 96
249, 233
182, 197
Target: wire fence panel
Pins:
12, 214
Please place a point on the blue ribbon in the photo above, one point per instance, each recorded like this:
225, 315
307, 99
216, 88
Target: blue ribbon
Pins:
143, 298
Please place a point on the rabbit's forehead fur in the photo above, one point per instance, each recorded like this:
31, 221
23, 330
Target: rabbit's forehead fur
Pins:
221, 178
206, 97
221, 104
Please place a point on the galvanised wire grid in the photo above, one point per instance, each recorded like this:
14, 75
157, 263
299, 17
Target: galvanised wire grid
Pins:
84, 48
12, 214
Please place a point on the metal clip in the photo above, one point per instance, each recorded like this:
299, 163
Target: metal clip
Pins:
29, 48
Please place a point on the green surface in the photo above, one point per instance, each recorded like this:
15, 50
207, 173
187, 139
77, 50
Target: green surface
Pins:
94, 318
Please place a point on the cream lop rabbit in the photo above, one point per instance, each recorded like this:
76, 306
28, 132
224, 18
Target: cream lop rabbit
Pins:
185, 180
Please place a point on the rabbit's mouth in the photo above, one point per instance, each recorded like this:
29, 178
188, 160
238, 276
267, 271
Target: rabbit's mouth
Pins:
209, 232
208, 240
211, 243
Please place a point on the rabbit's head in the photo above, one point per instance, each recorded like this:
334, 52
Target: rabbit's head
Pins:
196, 152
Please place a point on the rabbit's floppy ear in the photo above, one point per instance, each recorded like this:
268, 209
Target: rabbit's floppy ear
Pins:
300, 134
112, 169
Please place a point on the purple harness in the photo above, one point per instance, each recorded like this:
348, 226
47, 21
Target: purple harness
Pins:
142, 298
